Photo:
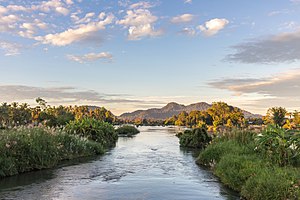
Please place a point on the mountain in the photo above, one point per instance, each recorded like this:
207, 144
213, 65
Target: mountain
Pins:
165, 112
171, 109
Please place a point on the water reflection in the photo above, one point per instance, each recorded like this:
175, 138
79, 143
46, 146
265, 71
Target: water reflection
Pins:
147, 166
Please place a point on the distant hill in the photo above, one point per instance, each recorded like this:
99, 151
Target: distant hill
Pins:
172, 109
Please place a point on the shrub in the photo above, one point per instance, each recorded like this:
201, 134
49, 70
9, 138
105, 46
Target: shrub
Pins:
241, 136
273, 184
280, 145
27, 149
196, 138
127, 130
94, 130
234, 170
214, 152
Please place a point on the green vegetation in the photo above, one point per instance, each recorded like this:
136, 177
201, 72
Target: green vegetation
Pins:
196, 138
40, 137
94, 130
219, 114
260, 166
127, 130
27, 149
15, 114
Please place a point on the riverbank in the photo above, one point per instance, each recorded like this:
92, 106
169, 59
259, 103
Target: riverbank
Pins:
27, 149
259, 166
149, 166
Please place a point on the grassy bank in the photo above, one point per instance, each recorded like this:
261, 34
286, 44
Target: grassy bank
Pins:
260, 166
26, 149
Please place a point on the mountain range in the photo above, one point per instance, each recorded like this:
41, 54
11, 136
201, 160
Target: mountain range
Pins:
173, 109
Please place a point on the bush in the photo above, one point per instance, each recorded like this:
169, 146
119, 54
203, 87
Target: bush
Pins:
214, 152
273, 184
241, 136
280, 145
27, 149
94, 130
196, 138
127, 130
234, 170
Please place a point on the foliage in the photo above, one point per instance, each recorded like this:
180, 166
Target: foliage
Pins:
127, 130
234, 170
273, 183
26, 149
94, 130
242, 136
244, 167
275, 115
280, 145
196, 138
215, 151
225, 115
14, 114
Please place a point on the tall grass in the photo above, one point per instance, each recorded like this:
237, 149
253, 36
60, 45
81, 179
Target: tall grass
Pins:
27, 149
248, 162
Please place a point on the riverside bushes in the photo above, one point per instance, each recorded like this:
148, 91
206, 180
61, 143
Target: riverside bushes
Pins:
196, 138
249, 165
27, 149
127, 130
94, 130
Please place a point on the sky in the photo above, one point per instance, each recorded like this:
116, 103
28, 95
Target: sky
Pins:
128, 54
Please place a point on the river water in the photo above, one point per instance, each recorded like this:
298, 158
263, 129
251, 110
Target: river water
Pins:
148, 166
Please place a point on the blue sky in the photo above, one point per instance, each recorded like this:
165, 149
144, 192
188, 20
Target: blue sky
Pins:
127, 55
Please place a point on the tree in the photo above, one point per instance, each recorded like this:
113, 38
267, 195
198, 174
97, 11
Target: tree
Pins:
276, 115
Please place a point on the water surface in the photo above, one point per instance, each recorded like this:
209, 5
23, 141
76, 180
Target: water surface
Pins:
148, 166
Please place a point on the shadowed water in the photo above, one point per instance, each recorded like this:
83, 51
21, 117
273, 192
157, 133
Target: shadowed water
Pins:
147, 166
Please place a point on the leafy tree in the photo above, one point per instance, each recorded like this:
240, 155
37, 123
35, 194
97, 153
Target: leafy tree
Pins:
275, 115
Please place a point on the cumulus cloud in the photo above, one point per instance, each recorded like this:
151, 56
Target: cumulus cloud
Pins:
55, 5
213, 26
86, 19
182, 18
274, 49
82, 32
10, 49
140, 23
141, 4
30, 28
90, 57
8, 22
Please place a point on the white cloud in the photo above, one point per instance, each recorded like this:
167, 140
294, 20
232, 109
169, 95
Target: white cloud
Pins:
69, 2
188, 1
90, 57
10, 49
8, 22
182, 18
87, 18
80, 33
29, 29
188, 32
142, 4
140, 23
3, 9
62, 10
213, 26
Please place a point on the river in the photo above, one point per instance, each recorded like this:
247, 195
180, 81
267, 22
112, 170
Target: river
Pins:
148, 166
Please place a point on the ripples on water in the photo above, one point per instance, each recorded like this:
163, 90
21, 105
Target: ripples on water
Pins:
147, 166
